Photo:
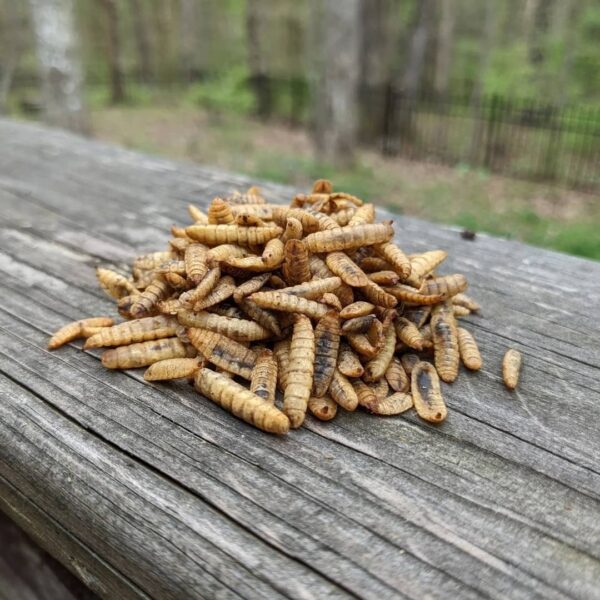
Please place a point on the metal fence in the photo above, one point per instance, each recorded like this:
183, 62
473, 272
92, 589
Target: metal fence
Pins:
520, 138
527, 139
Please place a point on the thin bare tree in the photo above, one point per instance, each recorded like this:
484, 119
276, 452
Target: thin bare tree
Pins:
113, 47
445, 45
142, 41
375, 67
336, 102
408, 79
60, 69
187, 36
256, 57
486, 47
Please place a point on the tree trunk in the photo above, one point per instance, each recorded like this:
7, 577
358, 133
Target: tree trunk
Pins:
142, 43
567, 34
488, 41
60, 69
187, 36
445, 46
256, 59
400, 123
117, 82
375, 68
336, 117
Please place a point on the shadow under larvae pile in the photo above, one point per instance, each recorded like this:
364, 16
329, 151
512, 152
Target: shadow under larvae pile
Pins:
313, 300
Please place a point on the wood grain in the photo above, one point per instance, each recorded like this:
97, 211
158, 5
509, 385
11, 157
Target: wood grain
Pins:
152, 491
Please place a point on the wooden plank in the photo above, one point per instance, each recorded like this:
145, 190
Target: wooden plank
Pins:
27, 572
502, 499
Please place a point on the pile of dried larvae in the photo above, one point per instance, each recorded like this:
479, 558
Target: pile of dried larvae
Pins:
314, 299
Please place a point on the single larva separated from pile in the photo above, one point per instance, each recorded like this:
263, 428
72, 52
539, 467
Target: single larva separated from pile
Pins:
313, 301
511, 368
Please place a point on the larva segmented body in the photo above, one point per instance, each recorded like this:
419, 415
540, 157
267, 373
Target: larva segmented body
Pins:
331, 300
346, 269
177, 282
250, 286
73, 330
409, 361
385, 278
172, 368
296, 268
423, 264
396, 376
214, 235
241, 402
281, 350
293, 230
309, 221
417, 314
461, 299
251, 196
264, 376
395, 404
511, 368
146, 302
223, 352
358, 324
114, 284
407, 294
392, 254
366, 396
363, 215
219, 212
143, 354
348, 363
322, 407
408, 333
446, 286
262, 316
300, 371
426, 393
138, 330
379, 296
343, 238
445, 342
224, 252
361, 345
240, 330
469, 352
281, 301
313, 289
222, 290
196, 262
249, 221
172, 266
190, 298
327, 343
149, 262
375, 369
342, 392
357, 309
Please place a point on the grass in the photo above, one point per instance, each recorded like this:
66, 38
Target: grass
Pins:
539, 214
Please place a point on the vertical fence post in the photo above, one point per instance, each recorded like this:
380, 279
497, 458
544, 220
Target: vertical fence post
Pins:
491, 127
389, 142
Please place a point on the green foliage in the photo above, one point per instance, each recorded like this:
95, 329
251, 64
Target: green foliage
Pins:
227, 92
510, 73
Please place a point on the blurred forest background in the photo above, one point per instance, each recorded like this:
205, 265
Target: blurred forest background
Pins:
481, 114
